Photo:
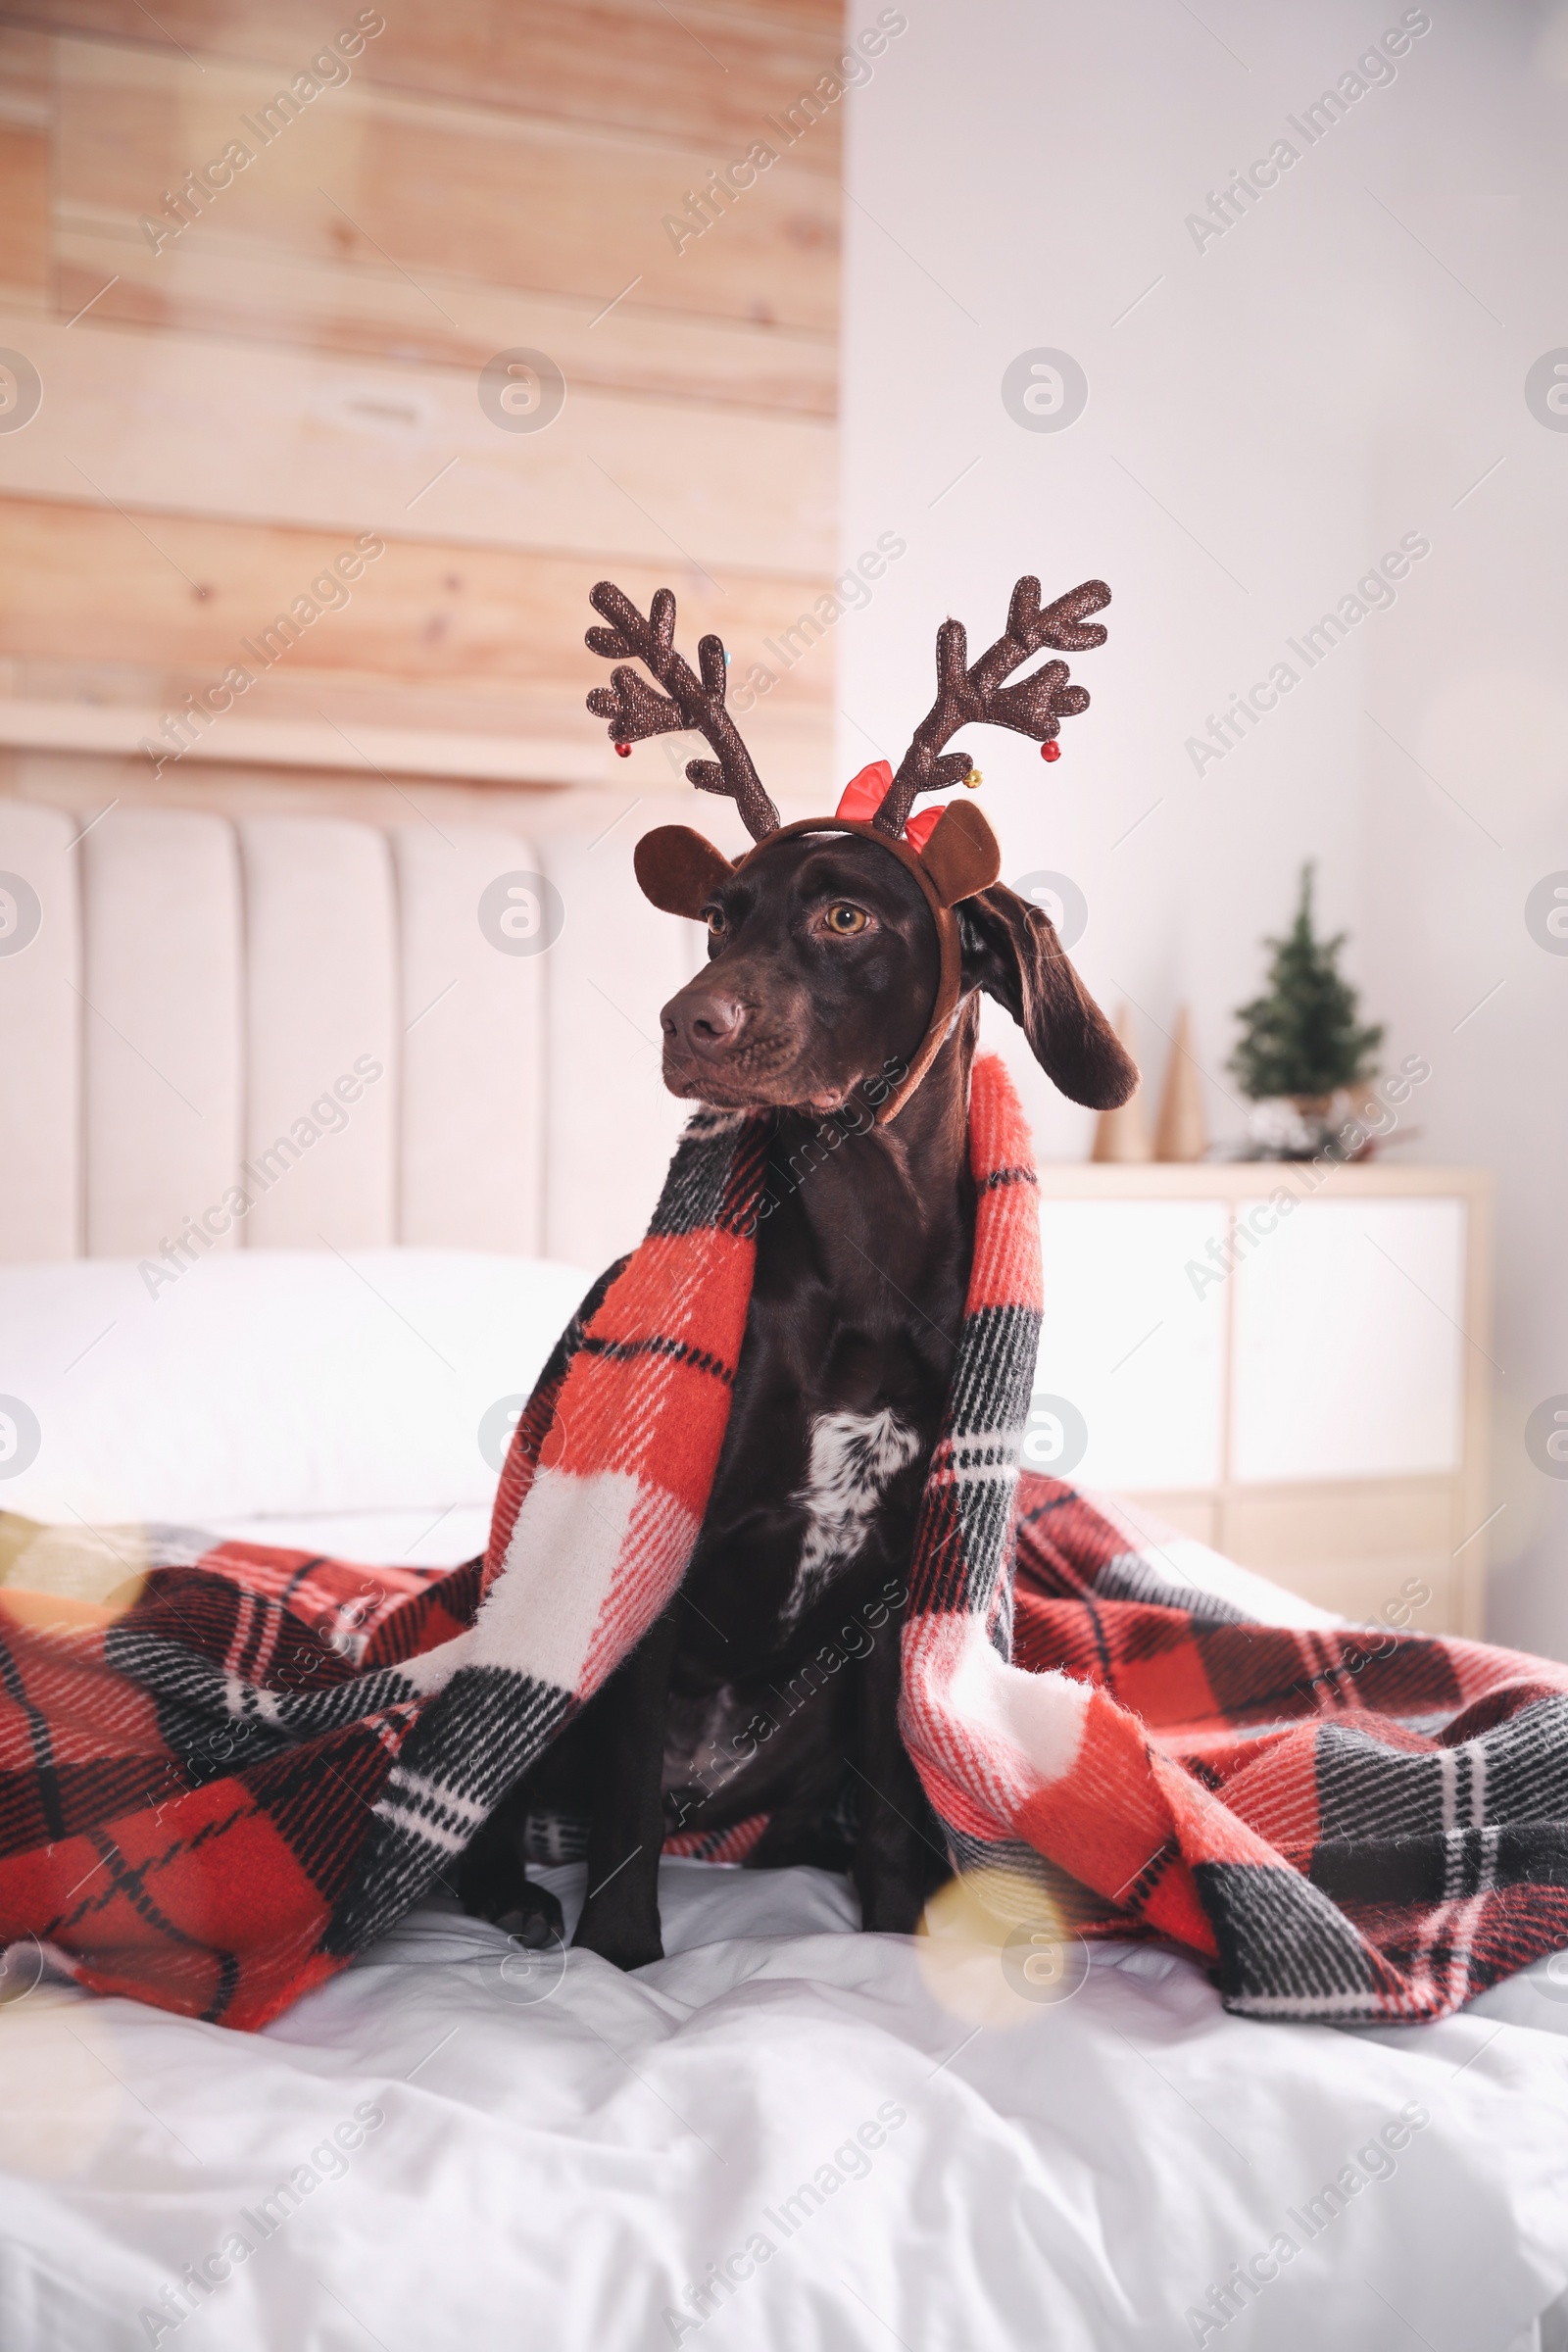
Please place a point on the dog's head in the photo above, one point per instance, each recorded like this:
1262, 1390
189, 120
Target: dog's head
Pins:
841, 948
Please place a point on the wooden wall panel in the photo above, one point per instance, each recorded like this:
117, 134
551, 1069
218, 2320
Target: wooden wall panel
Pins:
155, 420
460, 639
224, 412
24, 211
371, 309
369, 176
713, 73
25, 142
81, 582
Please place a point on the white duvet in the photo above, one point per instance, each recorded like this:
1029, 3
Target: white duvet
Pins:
786, 2134
796, 2121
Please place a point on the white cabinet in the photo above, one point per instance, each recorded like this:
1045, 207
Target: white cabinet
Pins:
1288, 1362
1348, 1340
1124, 1340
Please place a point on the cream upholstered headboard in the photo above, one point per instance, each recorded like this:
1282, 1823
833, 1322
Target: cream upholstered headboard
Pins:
307, 1014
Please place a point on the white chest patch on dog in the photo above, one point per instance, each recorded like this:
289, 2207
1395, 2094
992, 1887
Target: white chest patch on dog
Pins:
852, 1459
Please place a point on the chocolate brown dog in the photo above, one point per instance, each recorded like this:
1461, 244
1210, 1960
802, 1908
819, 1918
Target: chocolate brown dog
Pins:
771, 1686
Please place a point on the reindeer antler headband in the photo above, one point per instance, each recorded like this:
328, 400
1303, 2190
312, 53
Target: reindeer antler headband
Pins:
952, 851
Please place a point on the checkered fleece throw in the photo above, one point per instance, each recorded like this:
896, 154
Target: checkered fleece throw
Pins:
207, 1805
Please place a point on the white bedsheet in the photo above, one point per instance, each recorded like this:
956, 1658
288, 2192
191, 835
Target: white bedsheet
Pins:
558, 2170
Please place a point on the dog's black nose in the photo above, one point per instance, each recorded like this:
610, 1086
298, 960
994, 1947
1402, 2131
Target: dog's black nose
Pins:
705, 1025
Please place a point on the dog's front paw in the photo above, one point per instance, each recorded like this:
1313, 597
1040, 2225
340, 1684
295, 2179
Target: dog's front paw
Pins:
534, 1918
892, 1900
492, 1884
623, 1943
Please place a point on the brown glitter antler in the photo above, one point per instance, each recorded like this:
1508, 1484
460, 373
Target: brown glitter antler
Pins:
1033, 706
635, 712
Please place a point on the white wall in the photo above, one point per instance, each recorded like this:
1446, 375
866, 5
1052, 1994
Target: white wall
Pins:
1334, 371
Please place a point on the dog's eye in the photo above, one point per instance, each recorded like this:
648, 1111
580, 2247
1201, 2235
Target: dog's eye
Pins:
845, 920
713, 916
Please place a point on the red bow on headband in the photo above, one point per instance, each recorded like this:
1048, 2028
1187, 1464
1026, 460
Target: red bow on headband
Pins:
863, 795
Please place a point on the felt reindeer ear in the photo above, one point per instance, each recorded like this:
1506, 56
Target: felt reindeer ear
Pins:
678, 869
959, 853
1012, 951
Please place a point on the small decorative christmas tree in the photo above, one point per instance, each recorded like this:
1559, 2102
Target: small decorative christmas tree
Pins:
1303, 1038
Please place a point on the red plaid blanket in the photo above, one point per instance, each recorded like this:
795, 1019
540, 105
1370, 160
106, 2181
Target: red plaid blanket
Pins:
217, 1793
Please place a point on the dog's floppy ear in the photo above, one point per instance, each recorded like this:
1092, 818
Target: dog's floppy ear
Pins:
1012, 951
678, 869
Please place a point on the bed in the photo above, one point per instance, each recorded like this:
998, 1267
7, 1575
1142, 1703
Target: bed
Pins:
785, 2132
455, 2141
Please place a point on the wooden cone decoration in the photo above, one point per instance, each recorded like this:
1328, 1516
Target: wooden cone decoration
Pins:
1181, 1133
1124, 1135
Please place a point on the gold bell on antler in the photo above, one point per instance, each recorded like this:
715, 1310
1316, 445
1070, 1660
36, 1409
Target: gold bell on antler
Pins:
973, 780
